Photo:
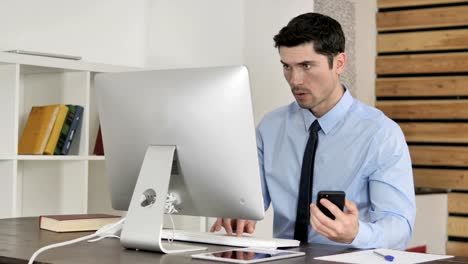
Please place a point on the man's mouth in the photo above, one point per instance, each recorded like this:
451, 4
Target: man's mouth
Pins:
298, 92
300, 95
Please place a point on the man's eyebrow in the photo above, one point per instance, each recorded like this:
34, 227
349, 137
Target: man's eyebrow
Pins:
300, 63
312, 62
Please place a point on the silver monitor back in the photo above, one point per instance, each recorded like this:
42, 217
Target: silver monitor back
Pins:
207, 114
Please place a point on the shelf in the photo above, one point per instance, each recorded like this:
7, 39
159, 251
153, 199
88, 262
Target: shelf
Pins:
96, 157
7, 157
58, 64
35, 185
51, 157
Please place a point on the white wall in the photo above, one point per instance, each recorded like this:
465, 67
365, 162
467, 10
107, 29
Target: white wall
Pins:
365, 45
263, 21
105, 31
202, 33
225, 32
430, 226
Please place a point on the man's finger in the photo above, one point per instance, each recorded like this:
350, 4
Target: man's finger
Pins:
324, 220
320, 227
217, 225
240, 255
240, 227
227, 225
332, 208
250, 226
351, 207
227, 254
249, 255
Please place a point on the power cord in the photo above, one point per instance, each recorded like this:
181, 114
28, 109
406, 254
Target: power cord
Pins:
169, 208
100, 238
73, 241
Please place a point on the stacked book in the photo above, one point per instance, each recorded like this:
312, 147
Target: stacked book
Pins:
76, 222
50, 129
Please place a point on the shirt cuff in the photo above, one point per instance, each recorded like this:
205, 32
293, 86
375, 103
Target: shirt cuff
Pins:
363, 236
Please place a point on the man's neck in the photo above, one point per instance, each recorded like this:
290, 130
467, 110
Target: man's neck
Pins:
330, 102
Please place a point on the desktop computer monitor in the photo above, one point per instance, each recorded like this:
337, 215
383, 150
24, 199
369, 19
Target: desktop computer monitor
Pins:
206, 115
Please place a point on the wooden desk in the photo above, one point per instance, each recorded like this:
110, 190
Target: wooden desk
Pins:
20, 237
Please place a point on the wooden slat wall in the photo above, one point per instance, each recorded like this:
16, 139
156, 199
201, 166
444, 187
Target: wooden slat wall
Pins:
417, 132
446, 179
456, 248
419, 41
422, 86
439, 156
422, 63
423, 18
402, 3
422, 83
425, 109
457, 202
457, 226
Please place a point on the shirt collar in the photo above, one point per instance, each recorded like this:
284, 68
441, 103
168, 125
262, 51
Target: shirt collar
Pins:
331, 118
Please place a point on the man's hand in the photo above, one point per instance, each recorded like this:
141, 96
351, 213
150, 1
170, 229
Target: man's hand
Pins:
239, 225
234, 254
345, 226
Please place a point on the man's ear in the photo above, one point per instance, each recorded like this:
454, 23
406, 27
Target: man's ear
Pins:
340, 63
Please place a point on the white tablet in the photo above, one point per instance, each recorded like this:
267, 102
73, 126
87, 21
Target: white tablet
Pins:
248, 255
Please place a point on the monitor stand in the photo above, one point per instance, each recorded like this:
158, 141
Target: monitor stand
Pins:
142, 227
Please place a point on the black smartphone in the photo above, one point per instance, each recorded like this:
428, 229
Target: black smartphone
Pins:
336, 197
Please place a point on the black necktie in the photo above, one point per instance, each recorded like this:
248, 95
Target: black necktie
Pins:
301, 230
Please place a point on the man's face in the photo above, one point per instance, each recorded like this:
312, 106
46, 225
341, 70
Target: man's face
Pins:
314, 85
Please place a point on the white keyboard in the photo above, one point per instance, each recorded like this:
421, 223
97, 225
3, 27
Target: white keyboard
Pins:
223, 239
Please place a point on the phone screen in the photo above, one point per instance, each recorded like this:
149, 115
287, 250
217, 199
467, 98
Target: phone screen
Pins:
247, 254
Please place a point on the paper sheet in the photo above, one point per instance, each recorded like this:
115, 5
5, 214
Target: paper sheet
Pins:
368, 256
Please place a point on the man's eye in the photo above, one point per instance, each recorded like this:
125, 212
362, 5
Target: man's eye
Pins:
286, 67
306, 66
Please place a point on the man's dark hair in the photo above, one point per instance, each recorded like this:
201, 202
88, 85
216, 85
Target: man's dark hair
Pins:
323, 31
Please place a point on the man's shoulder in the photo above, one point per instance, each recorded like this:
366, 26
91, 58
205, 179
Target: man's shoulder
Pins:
373, 118
278, 115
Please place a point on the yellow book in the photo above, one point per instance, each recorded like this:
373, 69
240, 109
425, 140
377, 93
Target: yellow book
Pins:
56, 129
37, 130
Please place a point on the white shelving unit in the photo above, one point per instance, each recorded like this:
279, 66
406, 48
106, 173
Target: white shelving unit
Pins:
39, 184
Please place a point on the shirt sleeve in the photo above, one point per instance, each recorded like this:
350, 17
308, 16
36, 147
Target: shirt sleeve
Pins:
390, 221
265, 192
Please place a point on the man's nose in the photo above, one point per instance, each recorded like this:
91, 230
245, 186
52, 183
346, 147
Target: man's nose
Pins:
296, 77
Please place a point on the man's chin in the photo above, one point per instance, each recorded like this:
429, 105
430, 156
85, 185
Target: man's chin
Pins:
304, 105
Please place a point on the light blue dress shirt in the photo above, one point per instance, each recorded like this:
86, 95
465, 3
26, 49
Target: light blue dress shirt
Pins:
360, 151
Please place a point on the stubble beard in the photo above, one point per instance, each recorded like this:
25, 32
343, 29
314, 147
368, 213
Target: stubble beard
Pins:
306, 104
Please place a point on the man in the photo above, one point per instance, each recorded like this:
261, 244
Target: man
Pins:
349, 146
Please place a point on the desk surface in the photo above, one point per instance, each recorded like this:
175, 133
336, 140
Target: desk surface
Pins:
20, 237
